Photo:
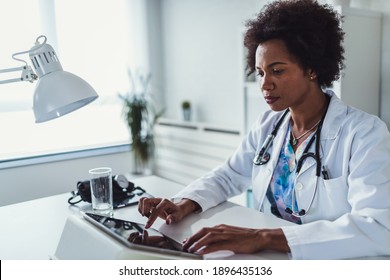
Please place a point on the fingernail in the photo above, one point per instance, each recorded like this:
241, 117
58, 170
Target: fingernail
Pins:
191, 249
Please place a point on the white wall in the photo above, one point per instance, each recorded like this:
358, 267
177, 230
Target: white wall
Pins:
40, 180
382, 6
201, 51
201, 47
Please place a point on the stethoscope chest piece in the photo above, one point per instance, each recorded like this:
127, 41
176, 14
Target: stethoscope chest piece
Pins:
262, 159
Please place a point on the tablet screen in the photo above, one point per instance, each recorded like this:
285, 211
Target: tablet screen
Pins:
135, 233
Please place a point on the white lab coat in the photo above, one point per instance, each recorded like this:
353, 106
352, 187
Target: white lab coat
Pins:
350, 214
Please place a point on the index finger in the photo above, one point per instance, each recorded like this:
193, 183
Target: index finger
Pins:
154, 213
158, 211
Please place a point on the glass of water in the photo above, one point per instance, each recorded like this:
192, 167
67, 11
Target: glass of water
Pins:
101, 190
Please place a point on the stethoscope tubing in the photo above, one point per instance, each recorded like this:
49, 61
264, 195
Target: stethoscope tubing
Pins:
263, 155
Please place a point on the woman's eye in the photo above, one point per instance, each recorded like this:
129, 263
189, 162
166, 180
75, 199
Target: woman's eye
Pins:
277, 71
261, 74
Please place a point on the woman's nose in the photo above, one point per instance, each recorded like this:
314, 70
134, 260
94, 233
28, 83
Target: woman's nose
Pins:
266, 83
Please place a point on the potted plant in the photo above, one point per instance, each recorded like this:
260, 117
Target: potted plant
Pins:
140, 115
186, 106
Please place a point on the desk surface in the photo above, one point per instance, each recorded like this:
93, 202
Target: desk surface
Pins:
32, 230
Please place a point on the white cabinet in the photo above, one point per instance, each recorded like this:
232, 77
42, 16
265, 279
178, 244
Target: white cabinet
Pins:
359, 84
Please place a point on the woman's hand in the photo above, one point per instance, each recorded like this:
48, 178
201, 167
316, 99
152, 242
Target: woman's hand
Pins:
165, 209
236, 239
154, 241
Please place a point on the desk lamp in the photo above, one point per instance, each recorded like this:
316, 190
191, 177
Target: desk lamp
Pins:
57, 92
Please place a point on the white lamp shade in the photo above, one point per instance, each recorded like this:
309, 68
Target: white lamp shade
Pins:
59, 93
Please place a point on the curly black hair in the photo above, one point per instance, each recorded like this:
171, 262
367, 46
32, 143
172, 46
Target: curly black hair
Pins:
311, 31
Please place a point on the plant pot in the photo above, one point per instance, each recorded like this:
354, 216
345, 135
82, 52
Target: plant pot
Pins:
141, 167
187, 114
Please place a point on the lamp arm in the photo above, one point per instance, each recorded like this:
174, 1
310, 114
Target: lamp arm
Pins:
27, 74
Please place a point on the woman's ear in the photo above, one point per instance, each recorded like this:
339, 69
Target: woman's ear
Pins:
312, 75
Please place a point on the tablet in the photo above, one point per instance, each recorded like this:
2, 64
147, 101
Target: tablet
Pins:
136, 237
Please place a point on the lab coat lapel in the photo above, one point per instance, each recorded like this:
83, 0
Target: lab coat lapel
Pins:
337, 111
309, 161
278, 142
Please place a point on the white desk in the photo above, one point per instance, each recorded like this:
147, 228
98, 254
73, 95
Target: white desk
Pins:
32, 230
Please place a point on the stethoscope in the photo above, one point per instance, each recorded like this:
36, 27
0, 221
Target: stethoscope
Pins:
263, 157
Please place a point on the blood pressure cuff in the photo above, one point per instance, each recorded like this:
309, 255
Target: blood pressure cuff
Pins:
83, 192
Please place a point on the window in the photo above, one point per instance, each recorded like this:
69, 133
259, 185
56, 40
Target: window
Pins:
21, 24
91, 43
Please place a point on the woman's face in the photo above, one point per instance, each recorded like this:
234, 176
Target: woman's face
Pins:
283, 82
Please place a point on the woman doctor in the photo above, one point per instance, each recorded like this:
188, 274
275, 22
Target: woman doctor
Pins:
311, 159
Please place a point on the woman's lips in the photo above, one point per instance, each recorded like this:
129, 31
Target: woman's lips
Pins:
270, 99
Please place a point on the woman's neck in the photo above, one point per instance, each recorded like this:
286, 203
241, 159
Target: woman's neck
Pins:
304, 117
